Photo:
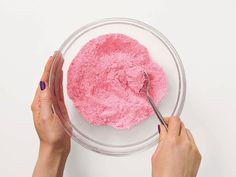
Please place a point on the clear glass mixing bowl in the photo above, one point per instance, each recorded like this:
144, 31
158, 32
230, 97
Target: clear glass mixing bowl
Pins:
104, 139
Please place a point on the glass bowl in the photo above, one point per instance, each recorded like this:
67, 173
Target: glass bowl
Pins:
105, 139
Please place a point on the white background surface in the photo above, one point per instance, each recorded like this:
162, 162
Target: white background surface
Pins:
204, 34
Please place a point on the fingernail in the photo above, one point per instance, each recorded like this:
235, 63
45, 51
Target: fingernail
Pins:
42, 85
159, 128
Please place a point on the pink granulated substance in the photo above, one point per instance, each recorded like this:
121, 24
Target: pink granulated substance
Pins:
105, 78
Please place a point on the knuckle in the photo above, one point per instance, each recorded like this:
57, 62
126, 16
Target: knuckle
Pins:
45, 98
199, 157
196, 151
187, 143
187, 146
176, 119
33, 108
43, 119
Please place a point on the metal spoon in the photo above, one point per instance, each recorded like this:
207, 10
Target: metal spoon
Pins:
145, 88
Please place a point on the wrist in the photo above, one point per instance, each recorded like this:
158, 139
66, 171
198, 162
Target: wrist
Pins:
53, 150
51, 161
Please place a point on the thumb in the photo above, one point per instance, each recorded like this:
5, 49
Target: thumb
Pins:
45, 101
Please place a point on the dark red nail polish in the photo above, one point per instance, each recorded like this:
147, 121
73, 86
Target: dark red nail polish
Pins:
42, 85
159, 128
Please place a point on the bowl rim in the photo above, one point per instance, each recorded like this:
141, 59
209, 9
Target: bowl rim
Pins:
150, 141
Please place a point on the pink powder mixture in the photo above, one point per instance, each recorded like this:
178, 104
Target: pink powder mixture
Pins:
105, 78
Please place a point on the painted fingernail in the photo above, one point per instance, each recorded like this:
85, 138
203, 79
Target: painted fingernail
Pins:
42, 85
159, 128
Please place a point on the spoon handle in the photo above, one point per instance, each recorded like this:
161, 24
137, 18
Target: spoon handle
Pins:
160, 117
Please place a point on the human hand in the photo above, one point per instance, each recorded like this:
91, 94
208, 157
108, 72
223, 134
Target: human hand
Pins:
177, 154
54, 141
47, 123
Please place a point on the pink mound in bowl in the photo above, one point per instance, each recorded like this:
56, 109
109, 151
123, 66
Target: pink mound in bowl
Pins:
98, 110
105, 78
